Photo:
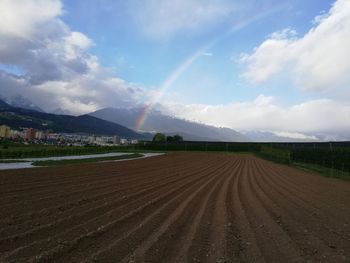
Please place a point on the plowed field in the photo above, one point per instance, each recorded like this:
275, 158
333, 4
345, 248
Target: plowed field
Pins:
181, 207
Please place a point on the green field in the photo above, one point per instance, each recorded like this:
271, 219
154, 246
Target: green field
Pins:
18, 151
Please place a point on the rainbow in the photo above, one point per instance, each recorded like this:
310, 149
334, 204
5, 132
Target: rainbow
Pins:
171, 79
166, 85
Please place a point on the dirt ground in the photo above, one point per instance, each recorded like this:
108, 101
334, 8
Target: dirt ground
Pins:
180, 207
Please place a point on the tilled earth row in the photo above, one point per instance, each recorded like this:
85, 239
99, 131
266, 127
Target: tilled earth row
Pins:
180, 207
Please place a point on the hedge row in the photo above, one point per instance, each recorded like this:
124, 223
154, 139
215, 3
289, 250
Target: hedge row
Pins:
336, 158
200, 146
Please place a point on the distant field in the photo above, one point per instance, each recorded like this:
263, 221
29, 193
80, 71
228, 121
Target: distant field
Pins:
329, 158
14, 151
178, 207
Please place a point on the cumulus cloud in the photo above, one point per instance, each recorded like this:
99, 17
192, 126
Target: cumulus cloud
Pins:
36, 40
265, 113
57, 70
317, 61
23, 19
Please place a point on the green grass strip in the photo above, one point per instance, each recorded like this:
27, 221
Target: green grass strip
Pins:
319, 169
325, 171
86, 160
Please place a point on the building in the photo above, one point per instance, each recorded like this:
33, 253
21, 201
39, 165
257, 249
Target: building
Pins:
40, 135
92, 139
5, 131
116, 140
134, 141
29, 134
123, 141
52, 137
17, 134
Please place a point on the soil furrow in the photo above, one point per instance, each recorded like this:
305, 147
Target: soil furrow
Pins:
129, 240
157, 247
274, 244
87, 229
66, 209
40, 245
300, 223
179, 207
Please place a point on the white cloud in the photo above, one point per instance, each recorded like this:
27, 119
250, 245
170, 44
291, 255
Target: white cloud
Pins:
263, 113
23, 18
207, 54
318, 19
295, 135
76, 42
164, 18
34, 39
59, 71
317, 61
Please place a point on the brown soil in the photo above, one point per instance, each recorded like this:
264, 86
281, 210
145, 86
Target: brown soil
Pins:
181, 207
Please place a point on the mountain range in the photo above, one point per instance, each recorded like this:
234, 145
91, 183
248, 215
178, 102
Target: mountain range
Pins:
18, 118
158, 122
19, 112
19, 101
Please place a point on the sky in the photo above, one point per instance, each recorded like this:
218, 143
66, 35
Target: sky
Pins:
268, 65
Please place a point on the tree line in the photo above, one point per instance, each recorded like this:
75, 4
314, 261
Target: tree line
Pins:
160, 137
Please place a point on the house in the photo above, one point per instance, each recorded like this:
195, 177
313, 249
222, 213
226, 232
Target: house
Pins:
5, 131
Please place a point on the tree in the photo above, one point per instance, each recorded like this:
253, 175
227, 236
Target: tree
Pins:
169, 138
177, 138
159, 137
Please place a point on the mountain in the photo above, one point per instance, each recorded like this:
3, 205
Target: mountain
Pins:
61, 111
19, 101
4, 105
158, 122
18, 118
